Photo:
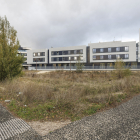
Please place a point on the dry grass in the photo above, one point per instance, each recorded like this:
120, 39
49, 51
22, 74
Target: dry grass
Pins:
67, 94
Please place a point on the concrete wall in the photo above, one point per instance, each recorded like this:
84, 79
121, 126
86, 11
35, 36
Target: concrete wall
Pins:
30, 56
131, 52
68, 55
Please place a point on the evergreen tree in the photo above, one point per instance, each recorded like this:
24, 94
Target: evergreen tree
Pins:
10, 62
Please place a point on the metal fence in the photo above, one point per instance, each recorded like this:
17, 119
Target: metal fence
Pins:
74, 67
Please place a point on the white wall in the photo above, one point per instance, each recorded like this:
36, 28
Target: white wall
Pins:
68, 55
30, 56
132, 50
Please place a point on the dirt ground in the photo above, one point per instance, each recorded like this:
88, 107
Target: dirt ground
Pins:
43, 128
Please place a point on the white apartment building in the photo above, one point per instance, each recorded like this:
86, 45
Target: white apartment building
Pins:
37, 57
65, 56
105, 53
23, 51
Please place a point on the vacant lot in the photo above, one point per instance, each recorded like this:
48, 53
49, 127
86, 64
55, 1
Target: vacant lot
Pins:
64, 95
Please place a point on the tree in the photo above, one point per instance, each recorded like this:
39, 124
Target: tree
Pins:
79, 65
10, 61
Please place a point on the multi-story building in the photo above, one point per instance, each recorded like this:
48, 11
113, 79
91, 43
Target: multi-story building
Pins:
66, 56
105, 53
37, 57
23, 51
95, 54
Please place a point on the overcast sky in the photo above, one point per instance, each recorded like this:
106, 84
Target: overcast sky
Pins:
63, 23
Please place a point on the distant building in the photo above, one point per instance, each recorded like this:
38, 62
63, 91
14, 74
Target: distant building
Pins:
23, 51
101, 54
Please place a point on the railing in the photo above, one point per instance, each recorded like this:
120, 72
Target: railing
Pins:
74, 67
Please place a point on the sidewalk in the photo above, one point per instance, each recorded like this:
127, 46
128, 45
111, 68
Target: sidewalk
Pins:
12, 128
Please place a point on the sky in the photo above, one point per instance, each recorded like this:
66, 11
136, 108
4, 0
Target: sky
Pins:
42, 24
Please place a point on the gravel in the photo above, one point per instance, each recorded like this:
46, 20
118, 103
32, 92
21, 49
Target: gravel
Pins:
122, 122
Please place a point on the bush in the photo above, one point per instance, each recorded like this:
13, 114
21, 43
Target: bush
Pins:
121, 70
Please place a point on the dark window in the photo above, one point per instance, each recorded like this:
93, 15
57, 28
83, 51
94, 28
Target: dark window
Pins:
66, 58
113, 56
72, 52
122, 49
122, 56
72, 58
66, 52
98, 57
97, 50
60, 52
105, 49
78, 51
60, 58
113, 49
38, 59
105, 57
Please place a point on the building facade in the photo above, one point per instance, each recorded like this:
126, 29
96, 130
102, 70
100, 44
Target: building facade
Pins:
95, 54
37, 57
66, 56
106, 53
23, 51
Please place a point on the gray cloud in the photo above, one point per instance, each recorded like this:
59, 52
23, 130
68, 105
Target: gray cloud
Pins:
46, 23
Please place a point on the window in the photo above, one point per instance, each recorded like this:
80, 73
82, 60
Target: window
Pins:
57, 53
57, 58
126, 56
38, 59
63, 52
69, 58
38, 54
78, 57
94, 57
118, 49
81, 58
52, 53
68, 52
42, 54
126, 49
78, 51
75, 51
94, 50
101, 57
75, 58
63, 58
117, 56
109, 57
101, 50
113, 49
72, 58
81, 51
52, 59
109, 49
